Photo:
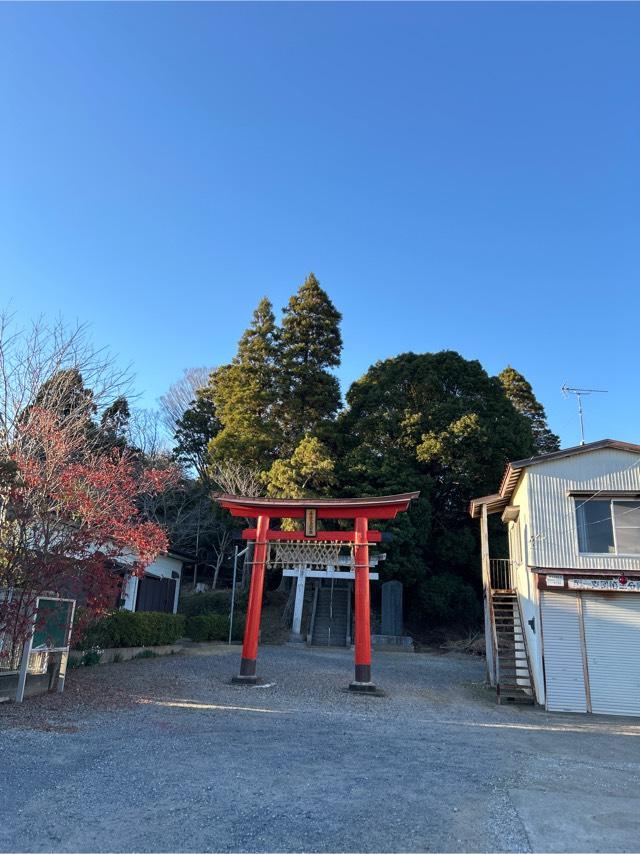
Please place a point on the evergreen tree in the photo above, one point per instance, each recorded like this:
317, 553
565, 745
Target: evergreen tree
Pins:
111, 433
244, 394
66, 395
521, 395
310, 345
309, 471
197, 427
73, 405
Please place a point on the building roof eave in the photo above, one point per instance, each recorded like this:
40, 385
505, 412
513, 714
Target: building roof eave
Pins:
515, 469
494, 504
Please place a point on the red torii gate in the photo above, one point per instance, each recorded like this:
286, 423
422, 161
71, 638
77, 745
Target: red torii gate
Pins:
362, 510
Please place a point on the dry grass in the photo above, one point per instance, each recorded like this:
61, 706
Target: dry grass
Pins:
472, 645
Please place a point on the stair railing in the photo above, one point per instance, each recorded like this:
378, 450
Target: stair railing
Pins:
526, 645
501, 574
494, 639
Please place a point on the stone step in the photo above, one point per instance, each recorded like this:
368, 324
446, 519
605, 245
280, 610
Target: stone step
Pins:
331, 618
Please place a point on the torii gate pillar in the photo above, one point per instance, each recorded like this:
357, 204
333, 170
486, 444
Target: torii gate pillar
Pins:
362, 681
248, 662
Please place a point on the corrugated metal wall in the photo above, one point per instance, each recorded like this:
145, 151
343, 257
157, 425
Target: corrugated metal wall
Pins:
552, 531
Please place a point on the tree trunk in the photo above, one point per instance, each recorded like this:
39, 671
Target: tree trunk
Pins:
216, 572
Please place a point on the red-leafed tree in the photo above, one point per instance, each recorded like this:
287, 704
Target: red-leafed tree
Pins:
70, 492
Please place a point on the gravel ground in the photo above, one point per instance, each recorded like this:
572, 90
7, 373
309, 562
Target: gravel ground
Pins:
165, 755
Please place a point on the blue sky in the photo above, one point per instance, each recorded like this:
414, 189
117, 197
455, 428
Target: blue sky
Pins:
461, 176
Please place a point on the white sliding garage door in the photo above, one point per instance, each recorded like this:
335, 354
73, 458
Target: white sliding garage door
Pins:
609, 656
612, 638
563, 668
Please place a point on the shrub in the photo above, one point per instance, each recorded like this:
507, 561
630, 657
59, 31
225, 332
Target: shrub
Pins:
204, 627
211, 602
213, 627
90, 658
129, 628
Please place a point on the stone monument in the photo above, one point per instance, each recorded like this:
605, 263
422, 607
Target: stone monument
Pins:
392, 636
392, 608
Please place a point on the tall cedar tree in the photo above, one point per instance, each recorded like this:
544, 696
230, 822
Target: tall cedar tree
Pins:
310, 344
521, 395
244, 394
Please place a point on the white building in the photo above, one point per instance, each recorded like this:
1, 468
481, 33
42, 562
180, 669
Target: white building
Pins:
562, 615
158, 589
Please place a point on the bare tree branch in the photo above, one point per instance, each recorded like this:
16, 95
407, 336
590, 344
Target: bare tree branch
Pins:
181, 395
145, 432
237, 479
47, 356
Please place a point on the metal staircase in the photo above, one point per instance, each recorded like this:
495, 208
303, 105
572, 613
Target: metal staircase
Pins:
513, 680
331, 618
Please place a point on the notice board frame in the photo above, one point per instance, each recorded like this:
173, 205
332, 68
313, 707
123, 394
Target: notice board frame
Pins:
63, 649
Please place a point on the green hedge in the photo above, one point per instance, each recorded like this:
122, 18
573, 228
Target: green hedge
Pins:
211, 602
139, 628
213, 627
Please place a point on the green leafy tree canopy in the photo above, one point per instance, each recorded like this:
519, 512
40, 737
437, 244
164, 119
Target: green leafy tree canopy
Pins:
438, 423
309, 471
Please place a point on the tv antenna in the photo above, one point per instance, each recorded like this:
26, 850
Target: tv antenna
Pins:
579, 393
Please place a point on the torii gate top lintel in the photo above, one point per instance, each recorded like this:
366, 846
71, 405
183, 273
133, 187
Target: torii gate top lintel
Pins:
373, 507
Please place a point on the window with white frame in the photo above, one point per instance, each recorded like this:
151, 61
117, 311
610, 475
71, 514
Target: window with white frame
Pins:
608, 526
